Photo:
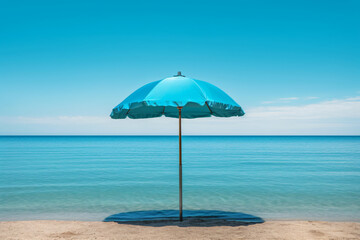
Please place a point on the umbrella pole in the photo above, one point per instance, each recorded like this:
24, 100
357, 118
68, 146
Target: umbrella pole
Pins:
180, 168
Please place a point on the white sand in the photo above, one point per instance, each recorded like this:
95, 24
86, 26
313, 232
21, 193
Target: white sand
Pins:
189, 229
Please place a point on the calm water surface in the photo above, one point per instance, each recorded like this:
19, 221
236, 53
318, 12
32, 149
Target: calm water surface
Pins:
91, 178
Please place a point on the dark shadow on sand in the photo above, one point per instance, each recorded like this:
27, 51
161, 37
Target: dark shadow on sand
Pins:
196, 218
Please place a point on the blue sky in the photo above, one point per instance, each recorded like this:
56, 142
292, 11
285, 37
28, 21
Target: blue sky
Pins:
294, 66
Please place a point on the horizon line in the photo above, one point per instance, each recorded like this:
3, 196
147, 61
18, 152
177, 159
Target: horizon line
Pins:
188, 135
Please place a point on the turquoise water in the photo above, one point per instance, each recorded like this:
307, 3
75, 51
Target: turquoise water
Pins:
91, 178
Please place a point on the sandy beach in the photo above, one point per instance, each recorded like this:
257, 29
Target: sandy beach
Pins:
189, 229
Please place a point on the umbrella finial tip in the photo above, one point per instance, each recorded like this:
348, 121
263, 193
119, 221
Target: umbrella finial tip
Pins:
179, 74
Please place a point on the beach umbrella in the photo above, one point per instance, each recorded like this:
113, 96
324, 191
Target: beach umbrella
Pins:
177, 97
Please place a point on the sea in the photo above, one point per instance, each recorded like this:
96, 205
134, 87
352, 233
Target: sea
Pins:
94, 177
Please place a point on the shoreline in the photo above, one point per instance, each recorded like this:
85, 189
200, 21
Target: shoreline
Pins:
188, 229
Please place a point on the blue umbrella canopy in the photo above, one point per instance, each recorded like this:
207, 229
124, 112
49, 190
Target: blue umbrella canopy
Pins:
177, 97
197, 99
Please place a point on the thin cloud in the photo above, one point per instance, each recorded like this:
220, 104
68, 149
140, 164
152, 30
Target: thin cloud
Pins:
289, 99
339, 116
267, 102
353, 98
343, 108
281, 100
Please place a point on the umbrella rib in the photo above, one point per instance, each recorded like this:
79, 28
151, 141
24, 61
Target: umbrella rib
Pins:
211, 112
199, 88
163, 111
158, 82
209, 107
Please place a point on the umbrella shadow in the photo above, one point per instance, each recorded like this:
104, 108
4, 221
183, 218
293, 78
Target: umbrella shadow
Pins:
192, 218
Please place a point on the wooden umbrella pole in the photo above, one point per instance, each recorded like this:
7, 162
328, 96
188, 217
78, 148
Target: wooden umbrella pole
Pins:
180, 168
